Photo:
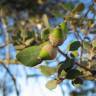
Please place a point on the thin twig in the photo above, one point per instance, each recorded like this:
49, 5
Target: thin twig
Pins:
11, 75
12, 61
87, 69
65, 55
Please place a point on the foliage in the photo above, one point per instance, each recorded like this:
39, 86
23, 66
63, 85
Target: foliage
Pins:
30, 34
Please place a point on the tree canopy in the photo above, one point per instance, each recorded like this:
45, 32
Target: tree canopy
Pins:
37, 40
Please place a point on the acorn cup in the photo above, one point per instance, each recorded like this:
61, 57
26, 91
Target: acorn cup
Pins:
57, 37
48, 52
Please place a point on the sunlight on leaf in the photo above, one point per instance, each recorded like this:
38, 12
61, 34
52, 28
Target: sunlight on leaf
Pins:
52, 84
46, 70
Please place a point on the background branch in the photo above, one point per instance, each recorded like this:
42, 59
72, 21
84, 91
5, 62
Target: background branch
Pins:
12, 77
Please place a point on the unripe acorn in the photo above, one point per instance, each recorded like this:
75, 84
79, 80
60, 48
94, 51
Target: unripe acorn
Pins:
57, 37
48, 52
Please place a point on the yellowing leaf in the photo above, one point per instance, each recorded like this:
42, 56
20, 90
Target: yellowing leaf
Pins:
45, 20
52, 84
86, 45
46, 70
75, 53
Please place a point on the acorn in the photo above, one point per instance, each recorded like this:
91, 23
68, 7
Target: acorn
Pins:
48, 52
57, 37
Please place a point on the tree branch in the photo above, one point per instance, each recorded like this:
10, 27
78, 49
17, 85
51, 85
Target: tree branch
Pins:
93, 72
12, 77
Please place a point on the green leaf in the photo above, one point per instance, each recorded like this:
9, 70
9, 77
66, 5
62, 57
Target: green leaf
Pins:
45, 20
46, 70
29, 55
64, 27
77, 81
92, 9
45, 34
52, 84
63, 74
80, 7
74, 45
30, 34
94, 43
86, 45
68, 6
65, 65
73, 73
